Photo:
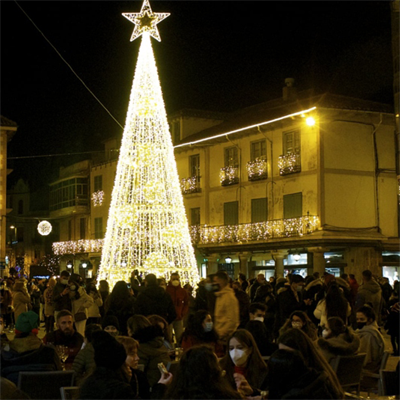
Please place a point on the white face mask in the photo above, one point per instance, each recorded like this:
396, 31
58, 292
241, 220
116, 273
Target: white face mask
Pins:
261, 319
208, 326
298, 325
64, 281
325, 333
239, 357
175, 283
73, 287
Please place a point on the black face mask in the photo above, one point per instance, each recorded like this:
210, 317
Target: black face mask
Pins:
216, 287
361, 325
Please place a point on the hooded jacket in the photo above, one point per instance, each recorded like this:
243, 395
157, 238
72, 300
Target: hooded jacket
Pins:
371, 343
226, 313
370, 292
155, 300
152, 351
342, 345
180, 298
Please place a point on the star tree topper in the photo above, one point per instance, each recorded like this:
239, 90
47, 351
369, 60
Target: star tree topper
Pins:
145, 21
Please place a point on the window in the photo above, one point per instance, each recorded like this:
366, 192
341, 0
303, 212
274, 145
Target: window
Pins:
259, 210
82, 228
69, 230
292, 205
231, 213
231, 157
69, 193
195, 216
194, 165
291, 142
98, 228
258, 150
20, 234
98, 183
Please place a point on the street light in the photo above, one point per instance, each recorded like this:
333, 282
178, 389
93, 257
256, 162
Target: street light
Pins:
228, 260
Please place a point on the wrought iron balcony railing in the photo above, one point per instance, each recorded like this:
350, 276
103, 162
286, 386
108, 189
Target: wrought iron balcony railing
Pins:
190, 185
257, 169
279, 228
229, 176
289, 164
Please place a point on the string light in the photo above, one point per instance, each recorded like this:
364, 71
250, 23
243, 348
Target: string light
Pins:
44, 228
190, 185
289, 164
228, 175
257, 169
97, 198
77, 246
147, 226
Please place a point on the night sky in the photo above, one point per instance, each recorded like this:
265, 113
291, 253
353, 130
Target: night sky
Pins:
214, 55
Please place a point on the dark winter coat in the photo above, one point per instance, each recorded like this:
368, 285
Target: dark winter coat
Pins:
244, 306
61, 302
155, 300
370, 292
152, 351
122, 313
342, 345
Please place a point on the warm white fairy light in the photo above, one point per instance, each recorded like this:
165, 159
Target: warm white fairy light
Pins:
147, 226
228, 175
190, 185
44, 228
289, 163
145, 21
77, 246
257, 169
203, 234
97, 198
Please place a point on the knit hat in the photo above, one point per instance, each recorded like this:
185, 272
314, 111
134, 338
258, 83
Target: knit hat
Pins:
110, 320
27, 321
108, 352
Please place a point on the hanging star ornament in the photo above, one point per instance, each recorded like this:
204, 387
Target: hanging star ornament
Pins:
145, 21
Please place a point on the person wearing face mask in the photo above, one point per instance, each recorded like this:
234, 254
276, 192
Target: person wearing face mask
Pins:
180, 298
371, 340
300, 320
60, 296
338, 340
245, 369
200, 330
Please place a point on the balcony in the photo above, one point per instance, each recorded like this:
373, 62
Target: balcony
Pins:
289, 164
257, 169
279, 228
190, 185
229, 176
77, 246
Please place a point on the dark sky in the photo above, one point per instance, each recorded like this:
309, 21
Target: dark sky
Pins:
216, 55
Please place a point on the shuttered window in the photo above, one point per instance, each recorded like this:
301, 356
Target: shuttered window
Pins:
259, 211
98, 228
292, 205
231, 213
195, 216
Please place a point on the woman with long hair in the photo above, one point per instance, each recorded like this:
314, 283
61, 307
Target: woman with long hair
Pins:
120, 303
199, 376
245, 369
333, 305
300, 320
296, 339
338, 340
200, 330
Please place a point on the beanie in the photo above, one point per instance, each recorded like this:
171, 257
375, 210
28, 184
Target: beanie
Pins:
27, 321
108, 352
110, 320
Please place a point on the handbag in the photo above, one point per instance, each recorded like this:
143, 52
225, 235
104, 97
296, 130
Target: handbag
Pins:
80, 316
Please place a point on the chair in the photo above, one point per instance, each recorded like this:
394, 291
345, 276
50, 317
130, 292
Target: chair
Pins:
69, 392
389, 383
44, 384
348, 369
371, 381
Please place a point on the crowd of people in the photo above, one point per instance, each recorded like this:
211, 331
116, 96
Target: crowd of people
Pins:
225, 338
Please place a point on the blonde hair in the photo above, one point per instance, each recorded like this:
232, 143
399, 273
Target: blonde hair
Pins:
131, 345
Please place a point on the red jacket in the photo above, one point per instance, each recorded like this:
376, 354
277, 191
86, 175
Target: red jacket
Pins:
180, 298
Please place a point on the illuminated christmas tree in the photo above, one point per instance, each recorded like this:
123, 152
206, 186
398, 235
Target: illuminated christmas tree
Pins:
147, 228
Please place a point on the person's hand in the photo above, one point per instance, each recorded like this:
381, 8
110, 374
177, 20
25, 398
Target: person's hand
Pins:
242, 385
65, 291
166, 379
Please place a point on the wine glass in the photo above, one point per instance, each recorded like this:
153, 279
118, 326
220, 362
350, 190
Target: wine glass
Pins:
63, 353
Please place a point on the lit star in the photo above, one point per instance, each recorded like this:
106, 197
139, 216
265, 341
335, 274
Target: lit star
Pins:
145, 21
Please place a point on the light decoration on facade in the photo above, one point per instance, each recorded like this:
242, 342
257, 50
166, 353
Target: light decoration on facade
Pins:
97, 198
190, 185
289, 164
203, 234
257, 169
77, 246
229, 175
44, 228
147, 226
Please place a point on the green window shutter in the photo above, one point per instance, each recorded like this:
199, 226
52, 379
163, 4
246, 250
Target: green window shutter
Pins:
292, 205
231, 213
195, 216
98, 228
259, 211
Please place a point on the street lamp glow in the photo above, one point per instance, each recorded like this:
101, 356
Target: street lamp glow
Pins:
310, 121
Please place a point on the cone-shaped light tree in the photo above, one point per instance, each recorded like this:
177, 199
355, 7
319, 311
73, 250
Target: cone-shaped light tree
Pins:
147, 228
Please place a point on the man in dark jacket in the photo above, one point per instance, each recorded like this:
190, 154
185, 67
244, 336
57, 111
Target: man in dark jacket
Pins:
180, 299
155, 300
61, 299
